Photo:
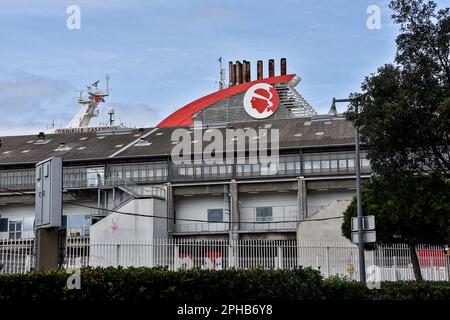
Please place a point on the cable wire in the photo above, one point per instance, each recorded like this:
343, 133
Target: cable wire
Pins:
181, 219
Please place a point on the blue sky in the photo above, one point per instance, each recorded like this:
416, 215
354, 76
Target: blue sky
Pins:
163, 54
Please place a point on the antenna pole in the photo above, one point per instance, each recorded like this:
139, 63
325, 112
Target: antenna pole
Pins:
222, 76
107, 84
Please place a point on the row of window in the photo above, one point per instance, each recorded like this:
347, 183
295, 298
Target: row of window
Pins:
262, 214
77, 225
318, 163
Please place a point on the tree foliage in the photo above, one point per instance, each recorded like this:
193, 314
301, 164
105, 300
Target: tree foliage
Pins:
409, 209
404, 108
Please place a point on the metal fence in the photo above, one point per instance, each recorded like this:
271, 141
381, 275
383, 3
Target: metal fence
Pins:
390, 262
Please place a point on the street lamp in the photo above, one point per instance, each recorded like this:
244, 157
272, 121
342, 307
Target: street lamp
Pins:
362, 262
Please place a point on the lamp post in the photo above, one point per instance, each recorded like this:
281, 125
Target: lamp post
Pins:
360, 215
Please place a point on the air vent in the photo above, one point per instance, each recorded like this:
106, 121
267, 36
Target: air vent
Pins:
42, 139
63, 147
142, 143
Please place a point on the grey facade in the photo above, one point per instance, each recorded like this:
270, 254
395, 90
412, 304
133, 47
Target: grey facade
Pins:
102, 171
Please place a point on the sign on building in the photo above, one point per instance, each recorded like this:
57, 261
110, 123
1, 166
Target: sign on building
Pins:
48, 205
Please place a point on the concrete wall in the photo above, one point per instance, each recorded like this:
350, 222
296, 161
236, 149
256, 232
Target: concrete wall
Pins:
319, 199
118, 226
284, 207
196, 207
325, 230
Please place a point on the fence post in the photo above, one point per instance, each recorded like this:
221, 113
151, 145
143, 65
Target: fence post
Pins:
328, 262
394, 266
279, 264
117, 255
231, 261
176, 254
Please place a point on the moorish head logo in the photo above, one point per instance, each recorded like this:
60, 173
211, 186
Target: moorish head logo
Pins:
261, 100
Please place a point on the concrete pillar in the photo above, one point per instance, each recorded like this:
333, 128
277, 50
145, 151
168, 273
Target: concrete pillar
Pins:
301, 198
50, 248
170, 208
235, 215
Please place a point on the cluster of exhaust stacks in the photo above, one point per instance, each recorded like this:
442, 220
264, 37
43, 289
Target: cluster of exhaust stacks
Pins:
239, 72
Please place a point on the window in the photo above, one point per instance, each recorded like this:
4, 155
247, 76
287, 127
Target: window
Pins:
316, 165
77, 225
307, 165
75, 222
351, 163
290, 166
264, 214
15, 229
215, 215
28, 224
95, 176
365, 162
4, 225
333, 164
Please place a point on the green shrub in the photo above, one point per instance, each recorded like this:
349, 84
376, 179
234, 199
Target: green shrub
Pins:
142, 283
136, 284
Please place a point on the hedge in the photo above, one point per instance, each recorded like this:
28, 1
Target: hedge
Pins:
137, 284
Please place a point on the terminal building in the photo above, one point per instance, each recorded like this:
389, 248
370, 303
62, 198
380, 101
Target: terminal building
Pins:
123, 182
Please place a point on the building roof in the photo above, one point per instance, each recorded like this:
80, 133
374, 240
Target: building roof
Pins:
156, 142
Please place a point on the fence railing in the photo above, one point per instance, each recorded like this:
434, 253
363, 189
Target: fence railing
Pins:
391, 262
17, 256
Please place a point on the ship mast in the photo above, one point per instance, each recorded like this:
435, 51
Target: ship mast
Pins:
89, 104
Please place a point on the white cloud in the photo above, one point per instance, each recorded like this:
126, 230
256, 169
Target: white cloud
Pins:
29, 102
132, 114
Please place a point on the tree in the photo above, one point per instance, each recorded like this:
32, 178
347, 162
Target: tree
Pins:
411, 210
404, 119
404, 108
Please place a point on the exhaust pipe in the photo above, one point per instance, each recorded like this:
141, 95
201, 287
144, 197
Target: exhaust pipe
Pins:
271, 68
283, 66
249, 74
259, 72
244, 71
231, 74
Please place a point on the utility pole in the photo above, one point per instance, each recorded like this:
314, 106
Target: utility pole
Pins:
360, 214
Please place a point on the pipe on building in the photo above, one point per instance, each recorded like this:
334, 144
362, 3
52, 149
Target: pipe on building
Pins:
249, 75
239, 72
244, 71
231, 74
283, 66
271, 68
259, 72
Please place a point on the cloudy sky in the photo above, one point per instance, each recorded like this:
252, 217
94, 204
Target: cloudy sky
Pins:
163, 54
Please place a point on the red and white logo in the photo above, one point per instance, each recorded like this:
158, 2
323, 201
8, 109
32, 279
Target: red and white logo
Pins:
261, 100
